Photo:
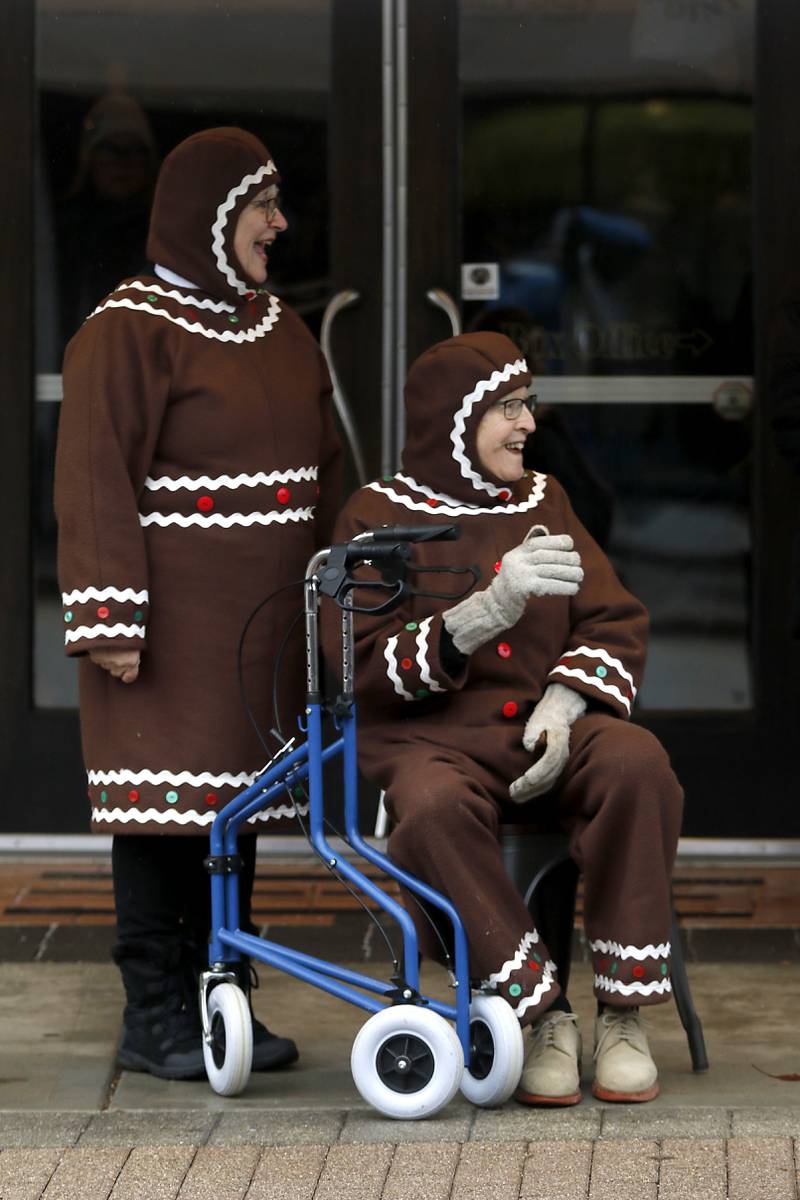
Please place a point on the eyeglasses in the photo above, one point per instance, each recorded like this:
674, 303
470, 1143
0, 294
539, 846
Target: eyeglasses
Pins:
270, 207
513, 408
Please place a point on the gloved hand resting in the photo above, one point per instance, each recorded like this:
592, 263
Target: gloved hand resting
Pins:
542, 565
547, 729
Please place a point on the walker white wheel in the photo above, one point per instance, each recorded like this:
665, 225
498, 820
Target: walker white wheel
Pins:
407, 1062
229, 1054
493, 1071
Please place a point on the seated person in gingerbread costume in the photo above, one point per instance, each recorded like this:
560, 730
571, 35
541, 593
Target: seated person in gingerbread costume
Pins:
470, 709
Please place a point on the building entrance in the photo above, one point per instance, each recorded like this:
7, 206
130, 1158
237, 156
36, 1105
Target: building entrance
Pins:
582, 175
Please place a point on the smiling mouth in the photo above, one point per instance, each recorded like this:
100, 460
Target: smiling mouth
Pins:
514, 447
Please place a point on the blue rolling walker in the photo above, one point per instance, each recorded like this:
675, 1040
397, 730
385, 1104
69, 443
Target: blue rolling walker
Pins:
413, 1053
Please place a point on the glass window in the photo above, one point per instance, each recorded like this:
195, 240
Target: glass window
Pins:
119, 84
606, 180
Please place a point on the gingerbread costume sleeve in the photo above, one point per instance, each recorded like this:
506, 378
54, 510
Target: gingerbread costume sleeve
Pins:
605, 653
116, 386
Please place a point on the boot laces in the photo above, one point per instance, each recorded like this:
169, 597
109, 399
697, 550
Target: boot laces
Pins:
622, 1026
545, 1034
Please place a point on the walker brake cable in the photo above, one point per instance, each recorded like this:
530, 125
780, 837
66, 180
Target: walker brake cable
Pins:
339, 877
286, 745
240, 651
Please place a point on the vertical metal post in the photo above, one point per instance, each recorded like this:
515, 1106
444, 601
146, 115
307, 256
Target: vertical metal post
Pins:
401, 219
387, 357
395, 252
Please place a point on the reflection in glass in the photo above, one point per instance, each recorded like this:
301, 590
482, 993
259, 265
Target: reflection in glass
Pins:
119, 85
606, 170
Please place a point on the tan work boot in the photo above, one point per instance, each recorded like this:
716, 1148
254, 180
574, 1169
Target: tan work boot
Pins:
624, 1069
552, 1070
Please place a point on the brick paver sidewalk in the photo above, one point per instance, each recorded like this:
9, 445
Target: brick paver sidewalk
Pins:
593, 1155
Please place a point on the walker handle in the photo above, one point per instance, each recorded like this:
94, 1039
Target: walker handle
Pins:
416, 533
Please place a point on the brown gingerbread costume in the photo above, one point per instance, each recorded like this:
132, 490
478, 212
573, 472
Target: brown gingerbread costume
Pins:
442, 732
197, 471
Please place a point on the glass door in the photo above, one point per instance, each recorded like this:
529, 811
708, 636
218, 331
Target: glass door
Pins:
607, 227
112, 89
604, 221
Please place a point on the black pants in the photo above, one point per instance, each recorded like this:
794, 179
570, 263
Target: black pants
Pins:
162, 891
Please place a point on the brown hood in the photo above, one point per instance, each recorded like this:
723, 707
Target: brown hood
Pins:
448, 390
203, 185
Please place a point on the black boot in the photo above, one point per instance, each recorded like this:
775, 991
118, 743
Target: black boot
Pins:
269, 1050
161, 1031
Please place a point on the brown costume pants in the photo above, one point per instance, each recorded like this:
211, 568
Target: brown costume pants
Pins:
621, 805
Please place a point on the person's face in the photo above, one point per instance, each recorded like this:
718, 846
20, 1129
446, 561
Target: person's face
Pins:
501, 439
258, 226
120, 167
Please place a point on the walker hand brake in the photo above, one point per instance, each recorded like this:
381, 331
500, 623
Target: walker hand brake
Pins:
388, 551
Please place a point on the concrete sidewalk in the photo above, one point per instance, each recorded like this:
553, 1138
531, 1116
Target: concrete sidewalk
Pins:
71, 1127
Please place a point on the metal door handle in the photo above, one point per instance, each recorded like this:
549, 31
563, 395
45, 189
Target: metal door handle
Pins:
334, 306
439, 298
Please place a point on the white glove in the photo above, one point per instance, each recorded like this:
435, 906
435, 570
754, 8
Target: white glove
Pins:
543, 565
547, 732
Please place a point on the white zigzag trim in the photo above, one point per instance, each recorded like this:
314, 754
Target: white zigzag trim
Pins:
271, 518
92, 631
292, 475
218, 228
204, 779
143, 816
662, 950
513, 964
422, 656
441, 497
108, 593
460, 420
540, 482
599, 652
630, 989
449, 507
608, 688
391, 667
227, 335
217, 306
548, 975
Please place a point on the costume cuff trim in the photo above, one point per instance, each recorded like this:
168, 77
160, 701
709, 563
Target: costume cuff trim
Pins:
599, 670
513, 964
640, 953
658, 987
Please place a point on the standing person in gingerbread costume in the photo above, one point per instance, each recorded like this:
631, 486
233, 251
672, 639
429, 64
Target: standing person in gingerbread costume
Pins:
197, 471
471, 708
